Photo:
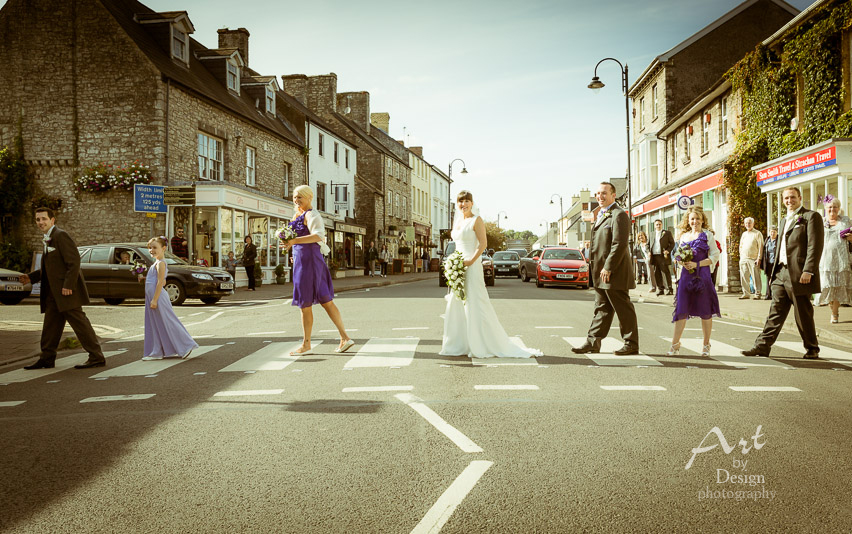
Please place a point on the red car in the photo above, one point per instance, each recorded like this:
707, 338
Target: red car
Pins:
562, 266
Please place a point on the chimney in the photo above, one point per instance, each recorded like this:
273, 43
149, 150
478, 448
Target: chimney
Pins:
235, 39
381, 121
296, 85
575, 199
359, 104
418, 151
322, 93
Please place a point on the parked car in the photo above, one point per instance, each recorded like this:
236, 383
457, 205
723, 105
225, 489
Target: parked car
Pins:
506, 263
110, 279
562, 266
12, 291
521, 252
487, 266
528, 265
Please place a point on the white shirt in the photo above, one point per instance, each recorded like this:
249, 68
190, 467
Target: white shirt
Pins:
655, 247
788, 227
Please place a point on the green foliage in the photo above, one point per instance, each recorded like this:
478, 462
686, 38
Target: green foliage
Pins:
526, 235
16, 183
16, 256
104, 177
495, 236
404, 250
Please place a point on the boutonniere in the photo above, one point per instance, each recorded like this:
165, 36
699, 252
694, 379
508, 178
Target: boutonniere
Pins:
800, 220
604, 216
45, 239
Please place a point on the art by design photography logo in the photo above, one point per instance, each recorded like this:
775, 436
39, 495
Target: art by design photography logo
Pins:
735, 482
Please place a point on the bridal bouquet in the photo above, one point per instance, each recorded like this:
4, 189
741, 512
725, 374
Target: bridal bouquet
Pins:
139, 268
454, 272
287, 233
683, 253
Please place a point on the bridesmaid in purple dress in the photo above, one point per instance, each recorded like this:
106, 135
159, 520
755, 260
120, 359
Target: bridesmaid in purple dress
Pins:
165, 336
696, 294
311, 278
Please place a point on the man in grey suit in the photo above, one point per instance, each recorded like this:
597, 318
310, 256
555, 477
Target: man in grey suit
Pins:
63, 295
794, 267
612, 270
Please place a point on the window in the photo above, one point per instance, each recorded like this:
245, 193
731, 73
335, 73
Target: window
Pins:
320, 196
723, 120
233, 76
346, 156
336, 149
389, 166
674, 150
397, 206
270, 99
321, 143
251, 155
687, 147
99, 255
389, 207
286, 180
642, 113
209, 157
404, 208
179, 40
396, 170
705, 132
654, 100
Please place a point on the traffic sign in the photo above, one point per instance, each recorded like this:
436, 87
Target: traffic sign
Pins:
149, 199
179, 195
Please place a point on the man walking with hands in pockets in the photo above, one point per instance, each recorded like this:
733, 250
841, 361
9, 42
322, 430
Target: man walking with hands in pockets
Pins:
612, 270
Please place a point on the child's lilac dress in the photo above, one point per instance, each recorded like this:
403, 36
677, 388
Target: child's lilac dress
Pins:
696, 295
311, 277
165, 335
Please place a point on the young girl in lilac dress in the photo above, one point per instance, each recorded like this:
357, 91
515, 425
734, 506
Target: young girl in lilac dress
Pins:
165, 336
696, 294
311, 277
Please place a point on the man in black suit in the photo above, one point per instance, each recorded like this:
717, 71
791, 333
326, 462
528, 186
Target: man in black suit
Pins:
63, 295
611, 267
794, 267
662, 244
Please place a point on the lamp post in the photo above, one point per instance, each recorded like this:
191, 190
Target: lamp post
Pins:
596, 86
498, 218
558, 220
450, 211
546, 231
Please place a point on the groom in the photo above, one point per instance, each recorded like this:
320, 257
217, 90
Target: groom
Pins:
612, 269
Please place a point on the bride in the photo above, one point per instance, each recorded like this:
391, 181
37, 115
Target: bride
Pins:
471, 327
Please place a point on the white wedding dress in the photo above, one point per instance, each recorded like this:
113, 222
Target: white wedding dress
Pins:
472, 328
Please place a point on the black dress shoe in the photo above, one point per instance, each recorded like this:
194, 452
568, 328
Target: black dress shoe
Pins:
755, 351
586, 349
660, 293
670, 292
91, 363
811, 355
41, 364
627, 350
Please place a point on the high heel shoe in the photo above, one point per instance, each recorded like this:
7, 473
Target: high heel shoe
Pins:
705, 350
674, 350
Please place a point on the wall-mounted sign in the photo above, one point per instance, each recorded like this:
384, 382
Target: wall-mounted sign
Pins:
178, 195
797, 166
684, 202
149, 199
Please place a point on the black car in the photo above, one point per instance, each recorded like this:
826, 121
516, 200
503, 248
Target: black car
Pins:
487, 266
506, 263
108, 270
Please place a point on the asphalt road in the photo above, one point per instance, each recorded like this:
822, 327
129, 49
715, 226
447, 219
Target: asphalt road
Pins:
240, 438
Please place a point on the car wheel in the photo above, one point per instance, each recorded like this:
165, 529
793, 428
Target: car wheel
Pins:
176, 292
523, 275
210, 300
114, 301
11, 301
538, 284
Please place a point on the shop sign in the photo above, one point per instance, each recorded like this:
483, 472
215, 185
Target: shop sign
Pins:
421, 229
149, 199
707, 200
178, 195
797, 166
350, 228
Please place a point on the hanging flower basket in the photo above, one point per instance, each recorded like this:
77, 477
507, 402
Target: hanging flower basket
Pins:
103, 177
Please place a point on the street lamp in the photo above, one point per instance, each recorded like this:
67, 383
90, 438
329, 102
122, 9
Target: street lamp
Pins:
546, 231
596, 86
559, 220
498, 218
450, 210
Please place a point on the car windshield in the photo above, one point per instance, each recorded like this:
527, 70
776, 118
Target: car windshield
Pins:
562, 255
170, 258
504, 256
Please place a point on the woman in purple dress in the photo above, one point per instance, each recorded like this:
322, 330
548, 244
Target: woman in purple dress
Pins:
165, 336
311, 277
696, 295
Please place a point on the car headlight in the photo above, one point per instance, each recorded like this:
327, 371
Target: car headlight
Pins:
584, 268
486, 262
202, 276
544, 266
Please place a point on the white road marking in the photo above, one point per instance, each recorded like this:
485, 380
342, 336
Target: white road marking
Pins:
8, 404
412, 328
200, 373
506, 386
62, 364
109, 398
764, 388
607, 357
552, 327
461, 441
205, 320
273, 357
248, 393
733, 324
334, 330
377, 388
152, 367
194, 314
728, 354
385, 352
824, 352
633, 388
265, 333
440, 512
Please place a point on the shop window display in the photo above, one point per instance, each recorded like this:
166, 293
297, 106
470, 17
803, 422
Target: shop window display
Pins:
226, 232
259, 232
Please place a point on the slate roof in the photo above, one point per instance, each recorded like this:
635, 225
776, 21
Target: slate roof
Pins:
368, 139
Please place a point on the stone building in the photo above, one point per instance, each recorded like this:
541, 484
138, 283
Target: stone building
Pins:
440, 190
421, 173
129, 84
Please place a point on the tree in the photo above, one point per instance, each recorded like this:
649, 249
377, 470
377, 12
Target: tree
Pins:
496, 236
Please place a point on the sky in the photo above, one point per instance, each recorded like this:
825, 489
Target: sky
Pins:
500, 84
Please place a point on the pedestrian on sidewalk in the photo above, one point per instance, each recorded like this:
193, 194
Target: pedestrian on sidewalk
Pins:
641, 253
834, 271
248, 261
179, 245
63, 295
696, 294
311, 277
165, 335
770, 246
661, 248
372, 256
751, 252
383, 260
231, 265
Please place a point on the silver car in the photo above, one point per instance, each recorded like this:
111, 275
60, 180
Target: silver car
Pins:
12, 291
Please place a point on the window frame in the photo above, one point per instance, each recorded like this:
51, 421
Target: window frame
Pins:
286, 181
177, 34
270, 99
251, 166
687, 144
321, 197
723, 120
641, 113
336, 152
654, 101
232, 73
321, 144
674, 150
206, 171
346, 156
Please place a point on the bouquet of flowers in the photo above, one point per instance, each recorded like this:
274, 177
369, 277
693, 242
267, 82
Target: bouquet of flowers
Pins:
683, 253
454, 272
139, 268
287, 233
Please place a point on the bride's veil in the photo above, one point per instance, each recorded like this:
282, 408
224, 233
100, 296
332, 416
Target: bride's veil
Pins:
474, 209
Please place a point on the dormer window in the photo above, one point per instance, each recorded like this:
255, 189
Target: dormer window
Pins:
233, 76
270, 99
179, 44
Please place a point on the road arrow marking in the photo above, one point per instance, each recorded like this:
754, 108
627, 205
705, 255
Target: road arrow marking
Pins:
437, 516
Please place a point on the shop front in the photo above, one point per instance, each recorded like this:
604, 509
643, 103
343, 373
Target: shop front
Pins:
349, 245
422, 243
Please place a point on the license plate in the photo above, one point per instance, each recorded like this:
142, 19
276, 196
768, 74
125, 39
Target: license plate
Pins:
503, 270
226, 286
565, 276
14, 288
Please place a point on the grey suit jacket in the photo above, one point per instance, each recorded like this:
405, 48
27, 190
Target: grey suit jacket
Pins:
611, 250
62, 265
803, 242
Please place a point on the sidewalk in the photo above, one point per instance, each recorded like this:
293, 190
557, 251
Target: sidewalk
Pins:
756, 311
19, 340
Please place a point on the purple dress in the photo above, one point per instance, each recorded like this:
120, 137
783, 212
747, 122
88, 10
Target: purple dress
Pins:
696, 295
311, 277
165, 335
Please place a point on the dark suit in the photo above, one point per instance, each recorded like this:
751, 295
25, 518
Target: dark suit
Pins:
611, 251
60, 269
803, 242
661, 262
